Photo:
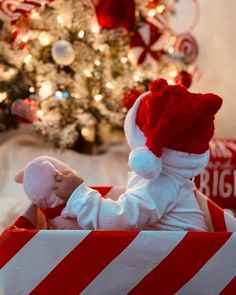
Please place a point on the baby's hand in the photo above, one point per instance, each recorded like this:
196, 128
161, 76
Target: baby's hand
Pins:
65, 183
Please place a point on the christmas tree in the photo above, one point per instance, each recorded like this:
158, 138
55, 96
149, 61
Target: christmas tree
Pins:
74, 67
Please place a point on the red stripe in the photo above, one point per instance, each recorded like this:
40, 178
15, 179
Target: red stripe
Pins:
12, 240
182, 263
217, 216
230, 289
85, 262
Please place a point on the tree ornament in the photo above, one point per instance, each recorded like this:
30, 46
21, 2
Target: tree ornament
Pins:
186, 46
63, 53
25, 110
113, 14
184, 79
131, 96
146, 46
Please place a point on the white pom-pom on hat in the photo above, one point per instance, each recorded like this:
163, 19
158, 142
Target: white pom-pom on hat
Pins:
145, 163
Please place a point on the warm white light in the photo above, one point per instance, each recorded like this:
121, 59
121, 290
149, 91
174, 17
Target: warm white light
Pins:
39, 113
9, 74
60, 19
34, 14
160, 8
109, 85
98, 97
137, 78
95, 28
97, 62
44, 38
27, 59
102, 47
45, 89
58, 94
81, 34
31, 89
124, 59
171, 50
173, 73
85, 132
87, 73
3, 96
25, 38
151, 12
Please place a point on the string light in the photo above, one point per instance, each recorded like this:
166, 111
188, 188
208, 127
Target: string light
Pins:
81, 34
109, 85
160, 8
98, 97
97, 62
27, 59
60, 20
44, 38
31, 89
95, 28
45, 89
124, 59
39, 113
87, 73
3, 96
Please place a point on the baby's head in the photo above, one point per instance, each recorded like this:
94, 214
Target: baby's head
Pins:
168, 117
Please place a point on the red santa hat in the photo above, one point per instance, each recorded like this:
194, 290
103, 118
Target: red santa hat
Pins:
168, 116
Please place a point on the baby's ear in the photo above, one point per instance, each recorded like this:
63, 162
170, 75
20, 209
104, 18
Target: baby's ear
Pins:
19, 178
50, 168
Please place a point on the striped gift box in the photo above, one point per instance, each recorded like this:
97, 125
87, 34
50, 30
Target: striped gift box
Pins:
35, 260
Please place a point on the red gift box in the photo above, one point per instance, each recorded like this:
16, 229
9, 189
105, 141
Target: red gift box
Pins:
218, 179
35, 260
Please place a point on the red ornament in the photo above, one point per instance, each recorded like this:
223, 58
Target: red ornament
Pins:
113, 14
131, 96
186, 45
146, 46
25, 110
184, 79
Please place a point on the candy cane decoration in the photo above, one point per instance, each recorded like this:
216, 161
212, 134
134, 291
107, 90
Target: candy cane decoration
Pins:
7, 8
186, 46
25, 7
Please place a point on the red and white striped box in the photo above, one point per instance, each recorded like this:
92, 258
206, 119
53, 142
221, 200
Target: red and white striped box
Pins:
218, 179
35, 260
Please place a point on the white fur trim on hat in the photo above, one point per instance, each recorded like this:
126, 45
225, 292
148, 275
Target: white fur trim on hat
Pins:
145, 163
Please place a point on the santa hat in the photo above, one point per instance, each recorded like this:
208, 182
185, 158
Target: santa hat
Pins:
168, 116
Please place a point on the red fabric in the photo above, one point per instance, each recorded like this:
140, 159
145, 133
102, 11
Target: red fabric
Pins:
172, 117
51, 213
181, 264
230, 288
217, 217
85, 262
113, 14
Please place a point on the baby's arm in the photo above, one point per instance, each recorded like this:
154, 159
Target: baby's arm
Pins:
135, 209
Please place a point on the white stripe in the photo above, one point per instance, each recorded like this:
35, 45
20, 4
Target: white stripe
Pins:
26, 7
37, 259
134, 263
216, 273
230, 222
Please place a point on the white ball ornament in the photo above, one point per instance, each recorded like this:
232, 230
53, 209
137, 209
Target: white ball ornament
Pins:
63, 53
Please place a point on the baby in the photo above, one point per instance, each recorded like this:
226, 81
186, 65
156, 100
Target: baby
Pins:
168, 130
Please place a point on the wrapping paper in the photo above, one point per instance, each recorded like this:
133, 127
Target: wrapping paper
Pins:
35, 260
